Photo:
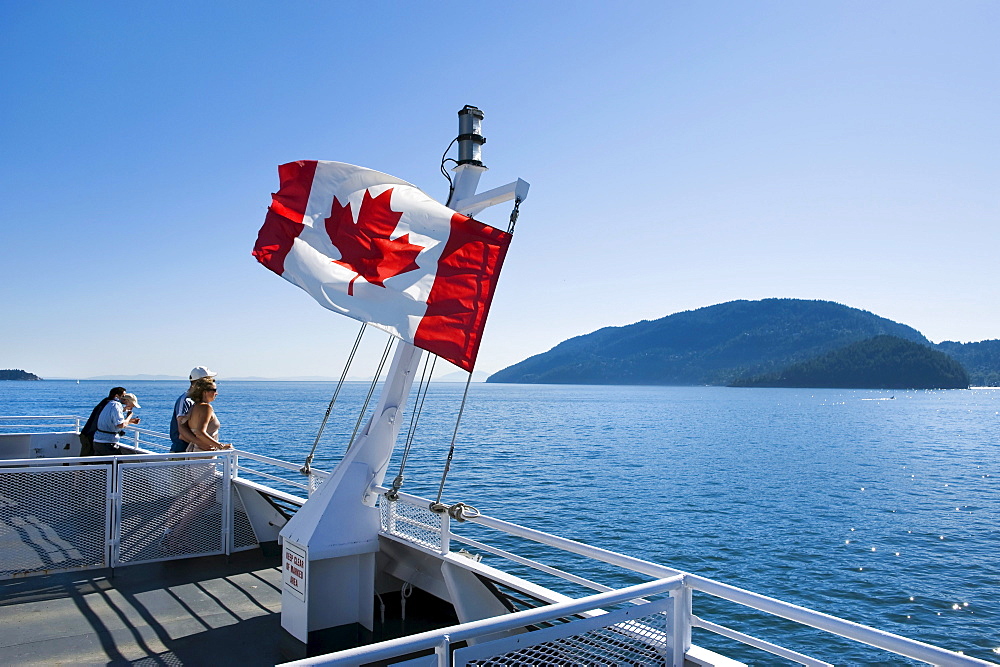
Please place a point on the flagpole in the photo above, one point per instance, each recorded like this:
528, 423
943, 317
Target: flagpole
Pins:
406, 359
332, 540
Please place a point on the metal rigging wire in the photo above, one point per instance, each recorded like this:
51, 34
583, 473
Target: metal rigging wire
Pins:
425, 383
371, 390
436, 505
306, 468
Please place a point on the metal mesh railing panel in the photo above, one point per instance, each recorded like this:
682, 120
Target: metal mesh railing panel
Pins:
244, 536
170, 510
315, 481
411, 522
596, 641
53, 519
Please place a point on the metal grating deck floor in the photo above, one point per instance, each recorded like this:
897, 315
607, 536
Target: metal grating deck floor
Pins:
199, 611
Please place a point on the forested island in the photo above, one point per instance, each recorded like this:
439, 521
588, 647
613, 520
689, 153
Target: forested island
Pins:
14, 374
981, 360
744, 341
883, 362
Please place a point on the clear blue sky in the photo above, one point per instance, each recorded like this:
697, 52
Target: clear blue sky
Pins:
681, 154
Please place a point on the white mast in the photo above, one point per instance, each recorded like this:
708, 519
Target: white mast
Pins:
330, 544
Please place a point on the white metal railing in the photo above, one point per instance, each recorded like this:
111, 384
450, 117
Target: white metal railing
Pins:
841, 628
440, 641
140, 456
246, 470
145, 506
145, 440
106, 511
64, 423
263, 472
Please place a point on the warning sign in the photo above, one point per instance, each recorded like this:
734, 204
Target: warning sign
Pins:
295, 570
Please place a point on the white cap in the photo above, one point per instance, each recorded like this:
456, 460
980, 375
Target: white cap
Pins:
199, 372
130, 398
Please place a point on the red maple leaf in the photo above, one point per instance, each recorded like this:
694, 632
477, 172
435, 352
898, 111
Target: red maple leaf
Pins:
365, 246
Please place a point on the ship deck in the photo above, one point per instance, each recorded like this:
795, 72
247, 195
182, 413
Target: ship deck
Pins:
199, 611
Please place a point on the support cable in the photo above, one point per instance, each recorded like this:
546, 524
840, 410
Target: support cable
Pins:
350, 359
437, 506
425, 383
371, 390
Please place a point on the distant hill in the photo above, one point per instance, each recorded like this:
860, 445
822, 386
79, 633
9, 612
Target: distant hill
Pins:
981, 360
714, 345
883, 362
14, 374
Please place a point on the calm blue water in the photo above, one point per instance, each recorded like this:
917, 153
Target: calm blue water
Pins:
879, 507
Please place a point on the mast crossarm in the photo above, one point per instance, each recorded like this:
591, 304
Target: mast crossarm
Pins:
476, 203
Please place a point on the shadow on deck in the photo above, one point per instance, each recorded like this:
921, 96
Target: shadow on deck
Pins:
200, 611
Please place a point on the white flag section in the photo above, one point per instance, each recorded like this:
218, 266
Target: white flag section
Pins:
377, 249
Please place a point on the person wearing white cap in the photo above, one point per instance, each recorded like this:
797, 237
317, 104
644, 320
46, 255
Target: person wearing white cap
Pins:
115, 416
180, 434
90, 428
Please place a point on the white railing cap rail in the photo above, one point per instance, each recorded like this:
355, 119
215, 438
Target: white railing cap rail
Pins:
279, 463
864, 634
145, 431
414, 500
6, 417
275, 493
455, 633
57, 423
127, 458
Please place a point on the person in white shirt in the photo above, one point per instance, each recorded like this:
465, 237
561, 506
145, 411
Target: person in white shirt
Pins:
115, 416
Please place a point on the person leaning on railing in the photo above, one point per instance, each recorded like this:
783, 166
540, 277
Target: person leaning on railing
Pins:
115, 416
90, 428
180, 434
202, 422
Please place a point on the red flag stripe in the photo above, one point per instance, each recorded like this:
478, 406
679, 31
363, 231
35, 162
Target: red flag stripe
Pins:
463, 289
283, 222
296, 182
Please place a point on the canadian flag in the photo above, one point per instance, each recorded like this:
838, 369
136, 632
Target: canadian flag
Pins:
375, 248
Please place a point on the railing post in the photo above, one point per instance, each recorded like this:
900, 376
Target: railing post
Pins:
680, 633
114, 512
390, 514
109, 528
227, 503
445, 533
442, 650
